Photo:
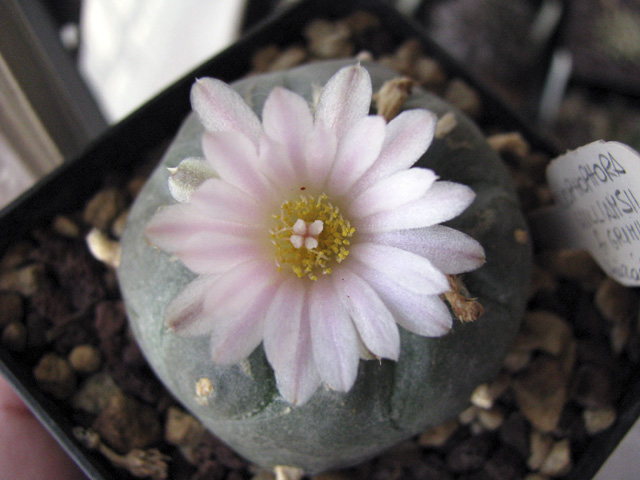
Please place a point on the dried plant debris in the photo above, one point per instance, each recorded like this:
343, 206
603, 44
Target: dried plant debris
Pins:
140, 463
561, 383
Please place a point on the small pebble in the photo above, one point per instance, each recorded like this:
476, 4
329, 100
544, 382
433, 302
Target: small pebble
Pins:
14, 256
55, 376
364, 56
95, 393
404, 58
103, 208
429, 73
461, 95
14, 336
264, 474
516, 360
521, 236
619, 337
438, 436
288, 473
616, 302
512, 143
288, 58
66, 227
575, 265
545, 331
540, 446
491, 419
469, 415
119, 224
126, 424
264, 57
597, 420
85, 359
446, 124
409, 52
25, 280
182, 429
558, 462
485, 395
361, 21
103, 248
328, 39
541, 392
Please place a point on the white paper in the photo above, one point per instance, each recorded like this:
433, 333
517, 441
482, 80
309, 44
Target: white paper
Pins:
596, 189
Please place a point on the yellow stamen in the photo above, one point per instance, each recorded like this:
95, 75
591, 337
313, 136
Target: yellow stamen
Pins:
309, 235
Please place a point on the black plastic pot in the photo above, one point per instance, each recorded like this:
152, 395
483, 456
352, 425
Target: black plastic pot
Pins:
123, 147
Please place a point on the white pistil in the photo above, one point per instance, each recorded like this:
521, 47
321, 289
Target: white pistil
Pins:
315, 228
305, 234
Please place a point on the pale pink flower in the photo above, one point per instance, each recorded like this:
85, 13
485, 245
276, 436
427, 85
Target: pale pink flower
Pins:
316, 237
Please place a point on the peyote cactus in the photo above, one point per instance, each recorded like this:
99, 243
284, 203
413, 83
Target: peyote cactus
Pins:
311, 405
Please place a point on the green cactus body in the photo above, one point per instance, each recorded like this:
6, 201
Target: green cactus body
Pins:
391, 401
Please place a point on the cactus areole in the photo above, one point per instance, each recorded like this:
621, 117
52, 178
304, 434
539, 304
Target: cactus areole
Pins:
287, 265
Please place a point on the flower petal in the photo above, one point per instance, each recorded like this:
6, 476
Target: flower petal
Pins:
344, 99
276, 165
442, 202
235, 159
235, 339
374, 321
287, 343
222, 201
408, 136
185, 314
220, 108
238, 303
171, 226
357, 150
449, 250
235, 289
425, 315
287, 119
405, 269
217, 253
320, 152
393, 191
334, 337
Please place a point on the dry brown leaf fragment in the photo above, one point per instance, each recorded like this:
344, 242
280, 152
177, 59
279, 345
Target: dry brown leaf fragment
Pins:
140, 463
465, 308
392, 95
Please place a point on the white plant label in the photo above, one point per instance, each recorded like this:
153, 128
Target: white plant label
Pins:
597, 206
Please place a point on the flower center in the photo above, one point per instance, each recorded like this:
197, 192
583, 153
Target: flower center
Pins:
310, 234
